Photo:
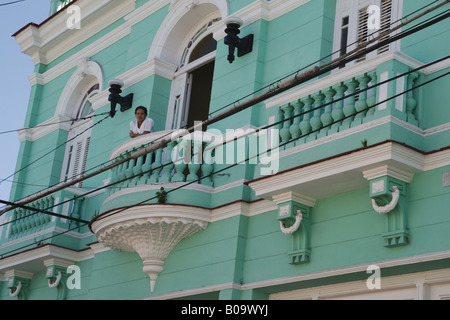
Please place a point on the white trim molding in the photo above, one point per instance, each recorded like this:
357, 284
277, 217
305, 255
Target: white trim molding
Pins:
349, 171
151, 231
53, 38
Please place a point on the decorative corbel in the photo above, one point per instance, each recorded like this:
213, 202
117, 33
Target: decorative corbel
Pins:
388, 196
294, 218
18, 283
56, 276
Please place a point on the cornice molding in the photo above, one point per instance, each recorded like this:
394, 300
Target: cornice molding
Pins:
56, 123
435, 256
51, 39
389, 158
293, 196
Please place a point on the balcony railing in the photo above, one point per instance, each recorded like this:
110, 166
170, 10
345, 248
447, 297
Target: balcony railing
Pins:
349, 103
159, 166
26, 222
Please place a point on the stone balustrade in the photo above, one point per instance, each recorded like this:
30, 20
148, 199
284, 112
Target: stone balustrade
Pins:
159, 166
27, 221
347, 104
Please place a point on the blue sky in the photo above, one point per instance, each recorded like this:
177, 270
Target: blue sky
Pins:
16, 67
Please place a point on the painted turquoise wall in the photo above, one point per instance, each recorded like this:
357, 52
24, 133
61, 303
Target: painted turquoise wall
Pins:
345, 230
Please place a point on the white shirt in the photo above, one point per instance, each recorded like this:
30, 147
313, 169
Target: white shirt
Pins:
147, 125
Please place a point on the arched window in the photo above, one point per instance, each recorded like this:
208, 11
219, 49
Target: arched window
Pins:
78, 139
191, 87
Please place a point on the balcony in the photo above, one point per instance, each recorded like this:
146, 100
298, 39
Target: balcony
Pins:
134, 218
31, 226
154, 227
157, 168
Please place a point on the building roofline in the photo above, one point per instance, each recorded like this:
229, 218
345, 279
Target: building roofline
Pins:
42, 23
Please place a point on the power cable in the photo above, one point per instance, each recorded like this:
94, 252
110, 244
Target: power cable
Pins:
281, 145
53, 150
386, 31
299, 78
106, 215
53, 123
262, 128
8, 3
37, 210
268, 86
362, 50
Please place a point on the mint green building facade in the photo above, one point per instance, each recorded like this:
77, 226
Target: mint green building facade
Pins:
350, 199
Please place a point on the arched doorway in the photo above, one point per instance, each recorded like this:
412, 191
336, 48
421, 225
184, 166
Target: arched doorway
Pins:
185, 41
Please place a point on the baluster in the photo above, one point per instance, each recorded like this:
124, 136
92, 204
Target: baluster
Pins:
338, 113
146, 168
14, 225
295, 127
129, 170
349, 108
411, 102
372, 99
51, 202
156, 167
121, 172
305, 125
194, 165
181, 160
137, 171
207, 167
43, 206
316, 122
361, 104
327, 118
36, 216
42, 218
168, 164
29, 217
285, 134
19, 222
114, 177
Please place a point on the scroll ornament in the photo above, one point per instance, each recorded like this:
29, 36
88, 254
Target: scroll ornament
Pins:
391, 205
294, 227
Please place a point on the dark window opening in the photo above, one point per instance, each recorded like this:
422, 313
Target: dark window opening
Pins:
200, 96
205, 46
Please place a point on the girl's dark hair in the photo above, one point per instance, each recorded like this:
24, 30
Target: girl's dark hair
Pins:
142, 108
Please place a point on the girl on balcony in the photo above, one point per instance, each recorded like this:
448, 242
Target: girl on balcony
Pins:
142, 125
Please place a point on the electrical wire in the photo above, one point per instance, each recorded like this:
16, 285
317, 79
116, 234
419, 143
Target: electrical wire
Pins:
384, 29
262, 128
8, 3
371, 49
53, 150
281, 145
330, 66
53, 123
106, 215
273, 83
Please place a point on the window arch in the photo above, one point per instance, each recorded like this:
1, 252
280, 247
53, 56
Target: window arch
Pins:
79, 137
75, 103
192, 85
